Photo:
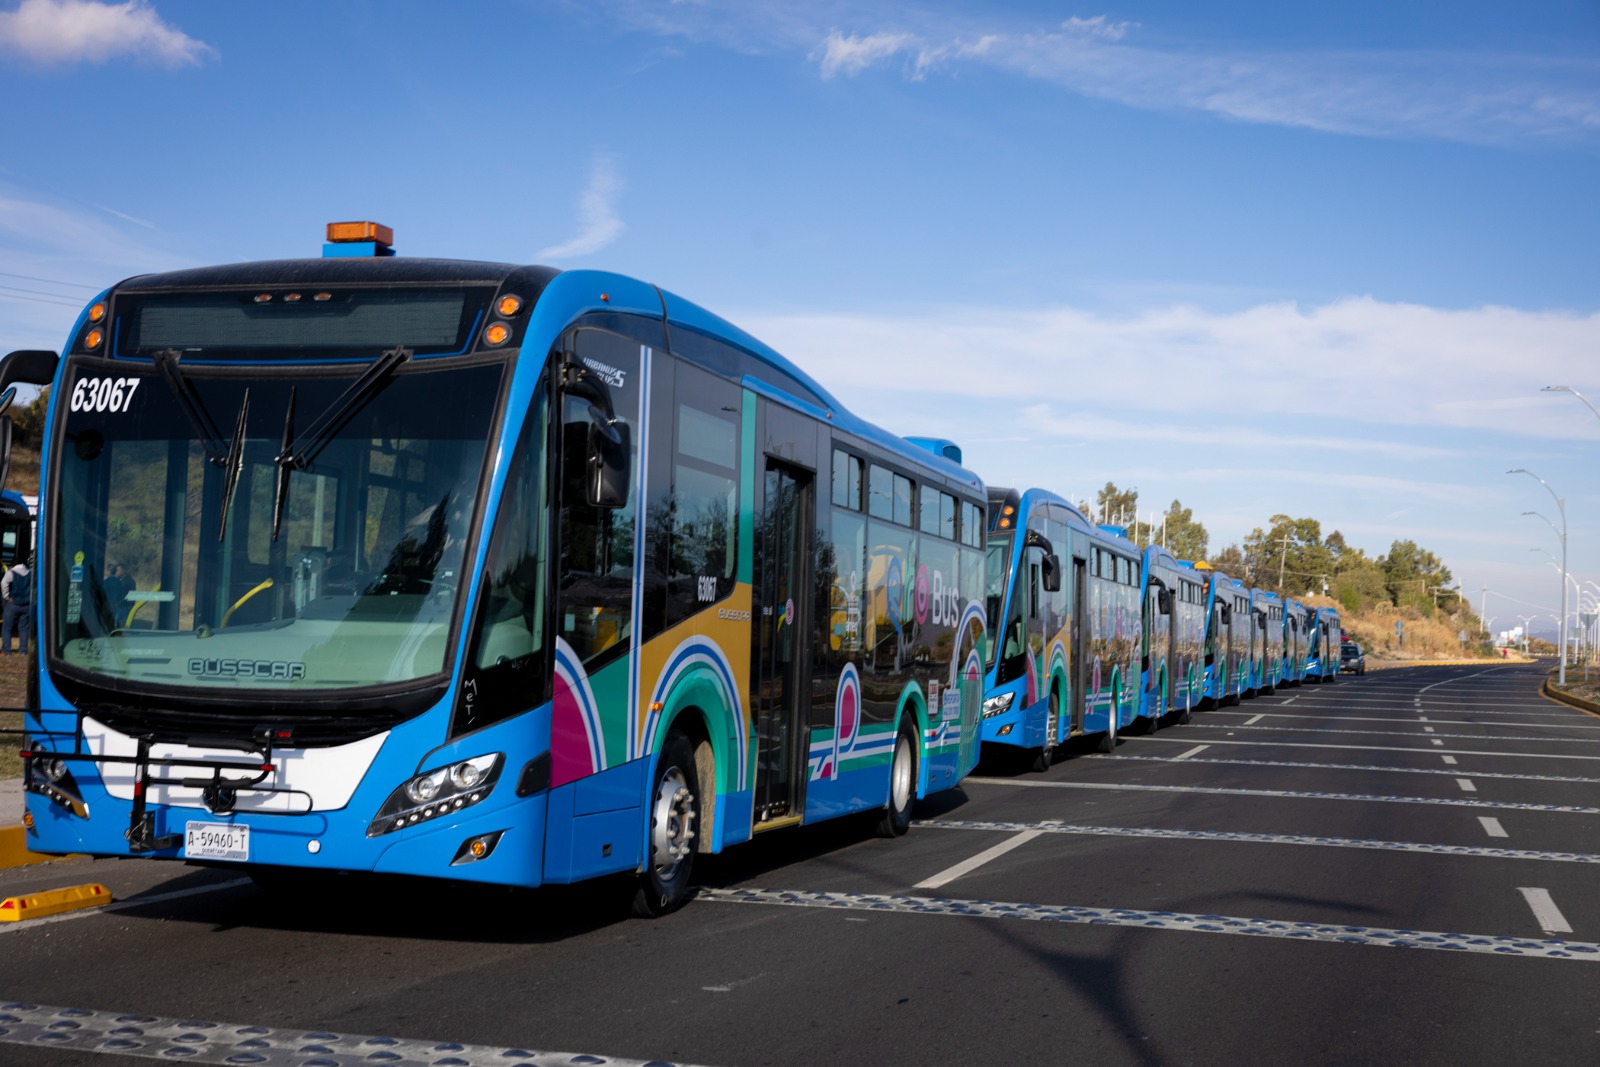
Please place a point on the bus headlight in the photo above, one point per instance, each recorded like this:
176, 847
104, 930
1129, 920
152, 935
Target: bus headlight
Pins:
442, 791
998, 705
48, 777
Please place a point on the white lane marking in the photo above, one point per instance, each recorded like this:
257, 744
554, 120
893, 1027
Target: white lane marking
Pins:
1233, 836
1386, 733
1365, 798
1466, 785
1252, 722
123, 905
1436, 741
1123, 756
201, 1041
1160, 920
1545, 912
1370, 748
1449, 759
1192, 752
1492, 827
968, 866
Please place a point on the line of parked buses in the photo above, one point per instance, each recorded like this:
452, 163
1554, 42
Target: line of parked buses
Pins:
671, 595
1129, 637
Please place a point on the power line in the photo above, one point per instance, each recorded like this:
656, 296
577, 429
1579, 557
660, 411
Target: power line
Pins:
38, 299
48, 281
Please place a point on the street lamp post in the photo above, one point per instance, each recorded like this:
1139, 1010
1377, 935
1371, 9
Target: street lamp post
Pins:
1561, 507
1527, 620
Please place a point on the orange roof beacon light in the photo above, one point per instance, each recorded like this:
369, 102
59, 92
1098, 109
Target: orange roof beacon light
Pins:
356, 239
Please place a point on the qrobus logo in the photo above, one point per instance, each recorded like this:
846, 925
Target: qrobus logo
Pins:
270, 670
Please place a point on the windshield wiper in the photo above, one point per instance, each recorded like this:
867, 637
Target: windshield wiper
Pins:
299, 452
280, 492
373, 381
205, 427
233, 465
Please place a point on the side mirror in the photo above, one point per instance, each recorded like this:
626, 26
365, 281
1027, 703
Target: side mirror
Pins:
606, 473
29, 365
1164, 601
1051, 573
609, 446
5, 449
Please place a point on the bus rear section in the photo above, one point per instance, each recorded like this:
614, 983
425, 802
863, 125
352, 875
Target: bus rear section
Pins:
481, 572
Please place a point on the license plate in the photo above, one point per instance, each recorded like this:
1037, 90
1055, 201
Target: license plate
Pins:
216, 841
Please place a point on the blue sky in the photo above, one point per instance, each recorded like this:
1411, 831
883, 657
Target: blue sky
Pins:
1255, 257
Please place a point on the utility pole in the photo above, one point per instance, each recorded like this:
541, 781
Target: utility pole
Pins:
1282, 559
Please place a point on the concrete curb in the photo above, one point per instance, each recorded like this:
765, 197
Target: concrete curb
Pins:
1550, 692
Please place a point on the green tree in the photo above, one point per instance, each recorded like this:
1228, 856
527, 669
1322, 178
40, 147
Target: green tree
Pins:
1290, 557
27, 422
1119, 507
1182, 535
1414, 576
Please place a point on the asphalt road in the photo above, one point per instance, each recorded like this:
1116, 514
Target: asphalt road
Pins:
1399, 868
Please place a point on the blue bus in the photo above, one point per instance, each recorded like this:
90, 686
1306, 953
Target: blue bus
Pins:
1230, 630
1322, 647
1296, 636
1267, 670
1171, 661
477, 571
1062, 658
16, 529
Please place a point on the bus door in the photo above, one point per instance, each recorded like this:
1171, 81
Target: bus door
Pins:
783, 655
1080, 642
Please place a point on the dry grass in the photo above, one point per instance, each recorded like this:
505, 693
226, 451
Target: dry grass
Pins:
13, 672
1425, 638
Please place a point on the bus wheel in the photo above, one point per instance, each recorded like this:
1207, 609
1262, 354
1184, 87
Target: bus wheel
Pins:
1044, 754
896, 817
674, 805
1107, 744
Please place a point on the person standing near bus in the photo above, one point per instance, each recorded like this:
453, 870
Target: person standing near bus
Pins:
16, 589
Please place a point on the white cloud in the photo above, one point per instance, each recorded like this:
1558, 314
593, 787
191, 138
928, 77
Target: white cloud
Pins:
73, 31
599, 223
1460, 96
1405, 366
851, 55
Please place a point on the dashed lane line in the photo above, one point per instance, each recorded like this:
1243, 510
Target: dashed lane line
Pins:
968, 866
1371, 748
1586, 725
1449, 759
1387, 733
200, 1041
1308, 765
1195, 751
1467, 785
1161, 920
1289, 794
1545, 912
1492, 827
1089, 830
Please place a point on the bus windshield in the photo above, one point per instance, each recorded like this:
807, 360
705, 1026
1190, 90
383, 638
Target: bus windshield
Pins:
998, 578
187, 554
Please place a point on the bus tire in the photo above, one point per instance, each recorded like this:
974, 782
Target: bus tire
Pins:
1044, 755
895, 819
674, 814
1107, 744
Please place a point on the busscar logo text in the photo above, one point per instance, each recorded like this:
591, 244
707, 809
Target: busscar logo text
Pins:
266, 669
